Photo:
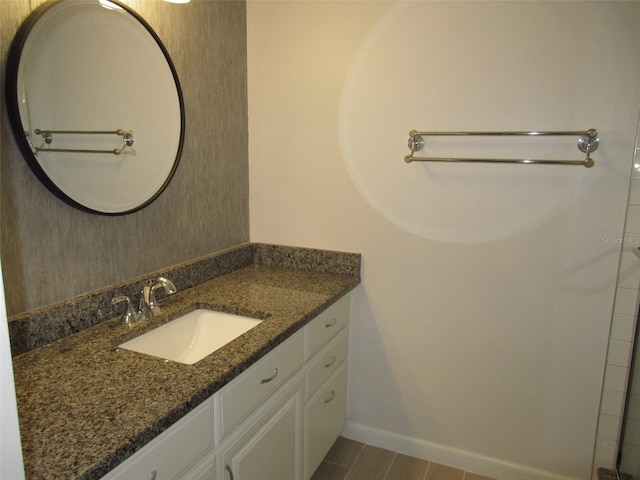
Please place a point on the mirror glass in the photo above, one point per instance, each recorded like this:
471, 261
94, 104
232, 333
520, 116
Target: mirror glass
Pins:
95, 104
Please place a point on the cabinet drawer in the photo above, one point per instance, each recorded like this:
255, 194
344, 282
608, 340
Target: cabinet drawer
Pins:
236, 400
173, 451
325, 417
327, 361
326, 325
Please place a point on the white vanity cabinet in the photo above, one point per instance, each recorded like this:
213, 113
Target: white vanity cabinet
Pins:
269, 445
170, 454
260, 416
275, 421
325, 413
287, 435
242, 395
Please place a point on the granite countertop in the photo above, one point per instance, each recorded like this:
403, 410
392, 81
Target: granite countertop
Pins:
85, 405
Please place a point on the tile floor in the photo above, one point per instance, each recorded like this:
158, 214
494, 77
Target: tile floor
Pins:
351, 460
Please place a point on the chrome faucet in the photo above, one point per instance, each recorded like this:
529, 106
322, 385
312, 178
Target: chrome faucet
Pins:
148, 305
130, 316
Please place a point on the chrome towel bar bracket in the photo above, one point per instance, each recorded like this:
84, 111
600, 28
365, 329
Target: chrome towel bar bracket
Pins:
588, 142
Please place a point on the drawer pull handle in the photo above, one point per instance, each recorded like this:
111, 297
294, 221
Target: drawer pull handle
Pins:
331, 397
228, 469
331, 323
153, 475
267, 380
330, 362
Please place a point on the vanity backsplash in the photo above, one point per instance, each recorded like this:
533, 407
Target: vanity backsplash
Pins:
36, 328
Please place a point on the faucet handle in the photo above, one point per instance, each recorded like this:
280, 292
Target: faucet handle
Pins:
130, 316
169, 289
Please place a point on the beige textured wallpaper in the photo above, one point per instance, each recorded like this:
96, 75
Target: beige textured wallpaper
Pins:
51, 251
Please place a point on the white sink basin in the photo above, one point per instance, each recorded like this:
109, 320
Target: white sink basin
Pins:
191, 337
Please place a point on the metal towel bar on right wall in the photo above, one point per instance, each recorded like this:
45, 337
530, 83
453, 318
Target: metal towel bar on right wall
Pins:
588, 142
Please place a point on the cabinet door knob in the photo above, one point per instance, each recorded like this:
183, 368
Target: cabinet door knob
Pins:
331, 397
228, 469
267, 380
331, 323
330, 362
153, 475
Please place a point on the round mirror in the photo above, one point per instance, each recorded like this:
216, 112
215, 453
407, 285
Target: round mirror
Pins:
95, 104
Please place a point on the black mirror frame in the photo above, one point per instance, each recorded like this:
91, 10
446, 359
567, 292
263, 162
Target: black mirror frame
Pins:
11, 97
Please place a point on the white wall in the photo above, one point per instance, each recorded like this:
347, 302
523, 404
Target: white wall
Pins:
480, 330
10, 447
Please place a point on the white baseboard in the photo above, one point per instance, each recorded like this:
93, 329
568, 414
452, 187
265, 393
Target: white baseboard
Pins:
464, 460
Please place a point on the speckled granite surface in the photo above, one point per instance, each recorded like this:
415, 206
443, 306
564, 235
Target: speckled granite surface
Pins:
85, 406
39, 327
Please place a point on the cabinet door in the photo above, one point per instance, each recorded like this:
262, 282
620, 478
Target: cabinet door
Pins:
205, 470
325, 416
269, 446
